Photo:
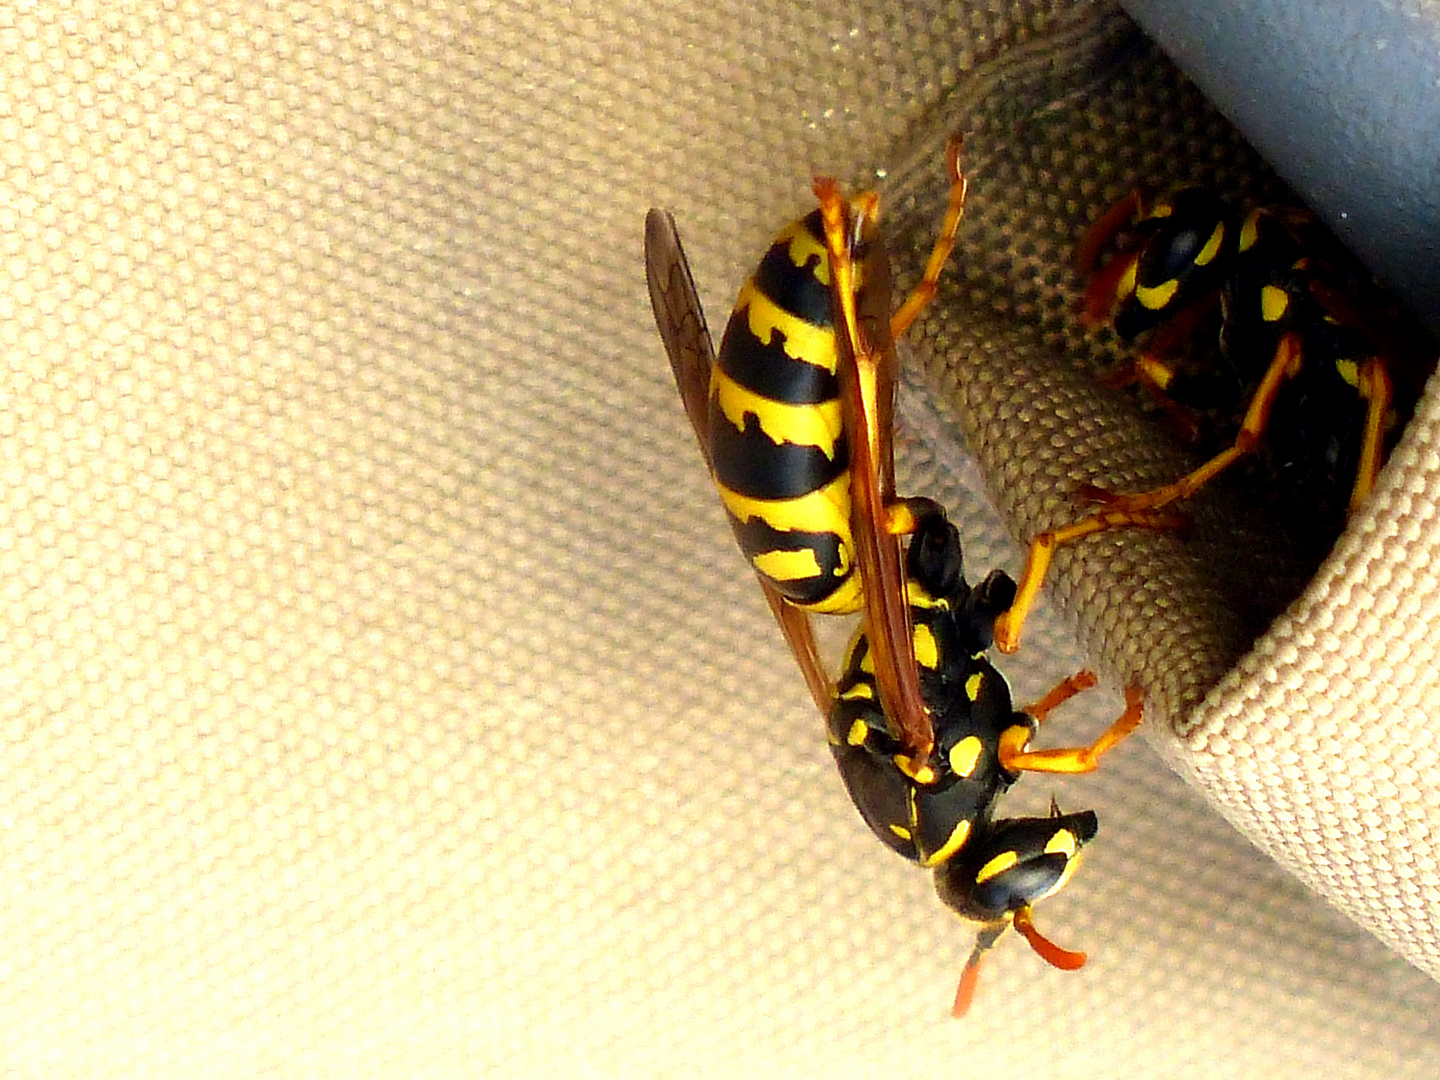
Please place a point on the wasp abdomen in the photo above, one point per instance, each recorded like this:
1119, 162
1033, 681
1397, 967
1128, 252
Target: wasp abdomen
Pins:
777, 440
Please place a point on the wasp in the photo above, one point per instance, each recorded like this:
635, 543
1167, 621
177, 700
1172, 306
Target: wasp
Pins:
1296, 351
988, 871
793, 418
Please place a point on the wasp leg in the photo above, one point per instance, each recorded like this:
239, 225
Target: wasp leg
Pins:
1379, 392
1075, 684
1071, 759
1037, 563
1126, 210
924, 292
1285, 365
1104, 288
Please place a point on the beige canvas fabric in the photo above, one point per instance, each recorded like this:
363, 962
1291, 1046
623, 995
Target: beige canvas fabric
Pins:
383, 694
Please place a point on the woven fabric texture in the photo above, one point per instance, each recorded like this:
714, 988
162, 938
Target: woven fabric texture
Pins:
384, 695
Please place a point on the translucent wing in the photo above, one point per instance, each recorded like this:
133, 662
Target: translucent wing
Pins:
867, 375
687, 342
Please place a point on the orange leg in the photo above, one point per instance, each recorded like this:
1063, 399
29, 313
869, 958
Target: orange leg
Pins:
1378, 391
1071, 759
1284, 366
1075, 684
1125, 211
924, 291
1042, 548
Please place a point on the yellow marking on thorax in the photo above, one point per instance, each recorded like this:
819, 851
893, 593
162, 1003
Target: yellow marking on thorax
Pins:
927, 652
1349, 370
916, 596
996, 866
1250, 230
925, 774
860, 691
1155, 297
801, 425
1212, 246
1274, 302
804, 341
973, 685
964, 754
1126, 285
953, 843
858, 733
900, 831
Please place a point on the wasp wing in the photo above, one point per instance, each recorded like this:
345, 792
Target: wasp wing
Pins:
687, 342
866, 365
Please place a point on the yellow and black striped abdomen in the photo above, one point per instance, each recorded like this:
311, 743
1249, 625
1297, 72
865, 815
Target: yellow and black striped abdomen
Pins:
777, 436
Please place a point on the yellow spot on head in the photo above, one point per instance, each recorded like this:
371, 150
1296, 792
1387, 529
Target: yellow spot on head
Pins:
973, 685
927, 653
964, 754
1274, 302
1062, 843
997, 866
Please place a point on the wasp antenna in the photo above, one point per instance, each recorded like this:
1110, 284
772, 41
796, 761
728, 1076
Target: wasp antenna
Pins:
965, 992
1047, 950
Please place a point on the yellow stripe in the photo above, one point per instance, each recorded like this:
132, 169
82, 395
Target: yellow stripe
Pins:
787, 565
801, 425
803, 247
1212, 246
1155, 297
804, 341
996, 866
1250, 230
917, 597
953, 843
826, 510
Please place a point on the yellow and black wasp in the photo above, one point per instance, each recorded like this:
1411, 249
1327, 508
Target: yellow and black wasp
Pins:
794, 420
989, 871
1299, 360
